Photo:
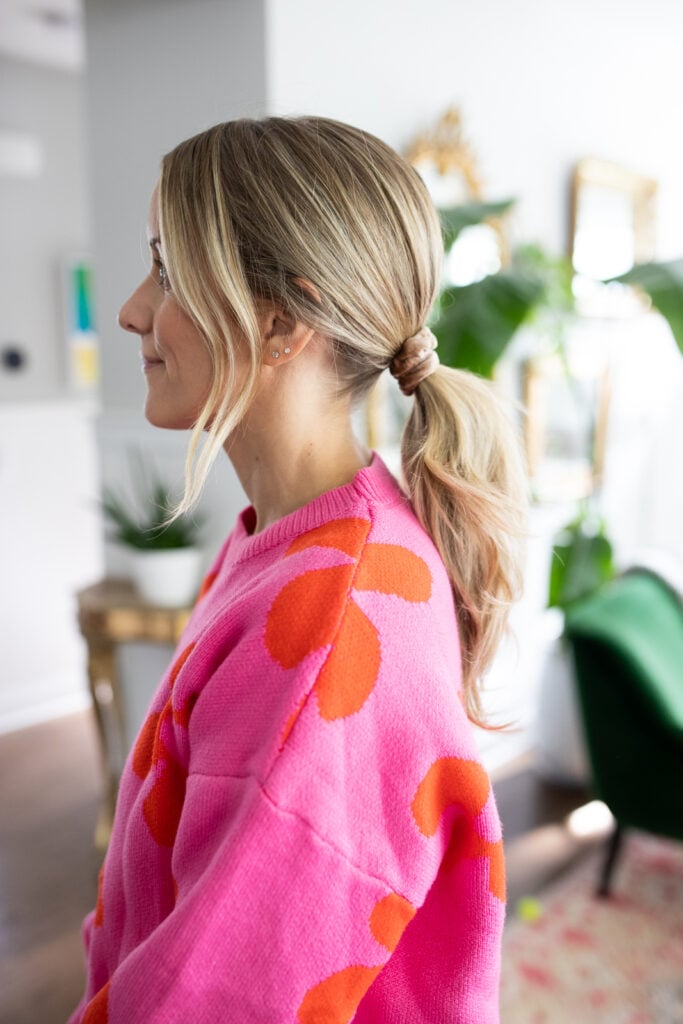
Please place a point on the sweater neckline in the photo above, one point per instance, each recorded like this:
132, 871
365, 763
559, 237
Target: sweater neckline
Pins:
373, 485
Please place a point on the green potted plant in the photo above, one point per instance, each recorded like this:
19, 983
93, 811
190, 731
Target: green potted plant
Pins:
164, 557
475, 322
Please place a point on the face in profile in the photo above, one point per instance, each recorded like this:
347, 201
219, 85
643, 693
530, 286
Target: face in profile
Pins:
176, 360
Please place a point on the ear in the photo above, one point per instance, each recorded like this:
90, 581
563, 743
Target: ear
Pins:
283, 337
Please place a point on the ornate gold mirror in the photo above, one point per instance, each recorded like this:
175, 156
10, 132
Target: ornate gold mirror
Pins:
448, 165
446, 161
612, 219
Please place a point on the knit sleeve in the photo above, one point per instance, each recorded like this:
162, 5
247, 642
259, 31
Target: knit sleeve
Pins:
271, 923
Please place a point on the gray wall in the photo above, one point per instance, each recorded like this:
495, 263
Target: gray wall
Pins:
42, 220
158, 71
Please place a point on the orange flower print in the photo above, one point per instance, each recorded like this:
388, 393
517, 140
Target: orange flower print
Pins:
455, 782
349, 674
97, 1010
390, 916
449, 781
143, 752
98, 919
335, 999
207, 583
163, 804
179, 662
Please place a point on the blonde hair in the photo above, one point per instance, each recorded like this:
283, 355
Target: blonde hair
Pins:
248, 211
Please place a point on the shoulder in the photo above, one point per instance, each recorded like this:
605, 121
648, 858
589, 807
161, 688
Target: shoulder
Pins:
354, 593
382, 707
260, 637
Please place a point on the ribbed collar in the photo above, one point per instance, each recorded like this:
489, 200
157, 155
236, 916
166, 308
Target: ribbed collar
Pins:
372, 486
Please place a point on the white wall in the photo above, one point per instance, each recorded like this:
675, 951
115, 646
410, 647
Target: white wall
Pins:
540, 84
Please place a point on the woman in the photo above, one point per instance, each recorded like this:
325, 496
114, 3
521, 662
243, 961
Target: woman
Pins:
304, 831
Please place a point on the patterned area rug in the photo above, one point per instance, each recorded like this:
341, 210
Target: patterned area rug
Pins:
580, 960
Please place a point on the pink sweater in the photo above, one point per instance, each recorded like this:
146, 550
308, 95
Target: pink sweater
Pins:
304, 832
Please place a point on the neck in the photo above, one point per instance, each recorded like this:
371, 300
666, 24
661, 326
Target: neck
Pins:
293, 446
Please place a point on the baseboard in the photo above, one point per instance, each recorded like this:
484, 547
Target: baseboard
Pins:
44, 711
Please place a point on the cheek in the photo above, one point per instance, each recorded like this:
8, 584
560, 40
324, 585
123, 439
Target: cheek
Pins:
173, 330
182, 346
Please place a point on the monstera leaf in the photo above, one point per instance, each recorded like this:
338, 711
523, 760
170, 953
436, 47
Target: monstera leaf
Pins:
663, 282
476, 322
455, 219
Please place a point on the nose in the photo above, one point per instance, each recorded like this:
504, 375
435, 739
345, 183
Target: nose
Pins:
136, 314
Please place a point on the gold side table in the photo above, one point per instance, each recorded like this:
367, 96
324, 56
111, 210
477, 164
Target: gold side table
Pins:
110, 613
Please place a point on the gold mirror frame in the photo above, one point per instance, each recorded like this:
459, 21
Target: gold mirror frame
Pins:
445, 149
637, 193
448, 151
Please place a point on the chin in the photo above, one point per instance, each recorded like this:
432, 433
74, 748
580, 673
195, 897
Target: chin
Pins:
166, 419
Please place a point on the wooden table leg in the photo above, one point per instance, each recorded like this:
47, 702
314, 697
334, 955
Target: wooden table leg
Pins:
105, 690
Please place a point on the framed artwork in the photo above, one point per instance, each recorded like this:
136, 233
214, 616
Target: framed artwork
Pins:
82, 349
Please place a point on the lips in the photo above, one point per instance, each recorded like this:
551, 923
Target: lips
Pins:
149, 362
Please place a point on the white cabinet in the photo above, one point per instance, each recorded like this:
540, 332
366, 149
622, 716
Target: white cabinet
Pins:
50, 546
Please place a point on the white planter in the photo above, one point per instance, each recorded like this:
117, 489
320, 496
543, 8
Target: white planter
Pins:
167, 578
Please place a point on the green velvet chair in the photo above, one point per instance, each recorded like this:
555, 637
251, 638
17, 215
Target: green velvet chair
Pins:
627, 642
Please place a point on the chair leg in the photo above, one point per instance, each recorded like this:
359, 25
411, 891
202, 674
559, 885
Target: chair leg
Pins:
613, 847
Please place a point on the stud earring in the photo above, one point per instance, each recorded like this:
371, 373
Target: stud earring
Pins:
287, 351
275, 354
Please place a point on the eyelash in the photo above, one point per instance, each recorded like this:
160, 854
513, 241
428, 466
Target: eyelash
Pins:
163, 275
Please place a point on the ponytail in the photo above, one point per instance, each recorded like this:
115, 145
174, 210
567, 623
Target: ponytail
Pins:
464, 472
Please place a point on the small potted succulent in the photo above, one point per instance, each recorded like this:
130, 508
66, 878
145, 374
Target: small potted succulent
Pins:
164, 558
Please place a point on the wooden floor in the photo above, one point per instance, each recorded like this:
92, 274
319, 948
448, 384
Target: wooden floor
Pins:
48, 867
